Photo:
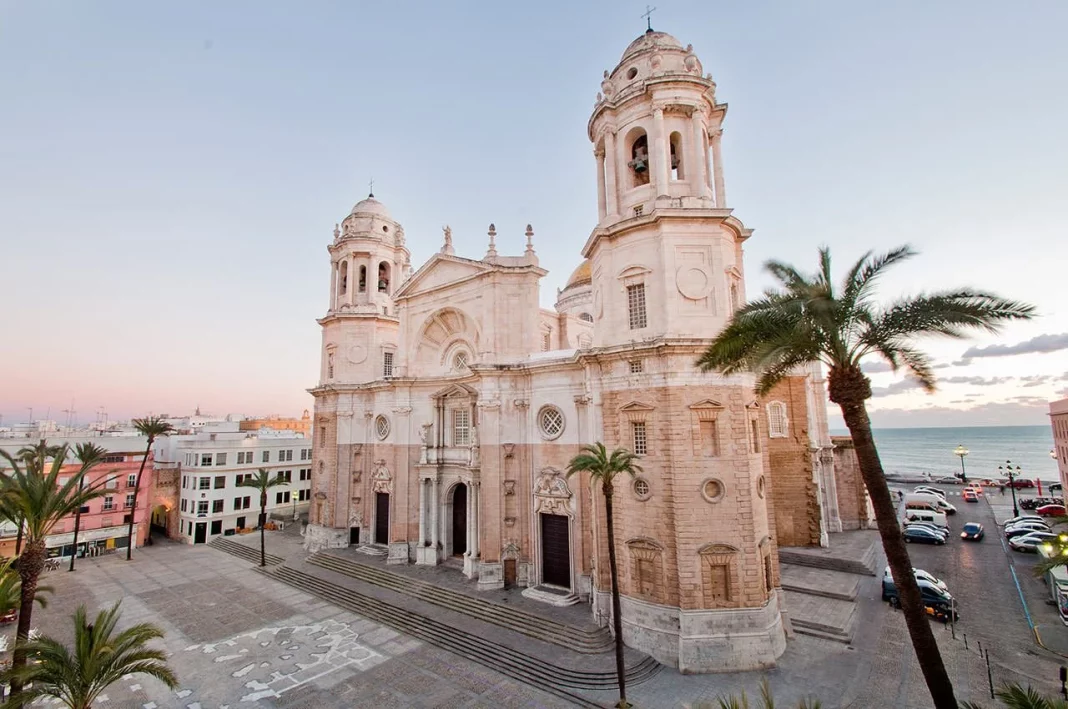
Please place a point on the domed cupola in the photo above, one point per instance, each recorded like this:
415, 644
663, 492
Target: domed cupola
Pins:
370, 218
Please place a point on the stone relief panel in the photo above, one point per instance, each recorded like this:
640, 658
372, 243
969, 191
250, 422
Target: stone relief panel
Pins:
552, 496
382, 481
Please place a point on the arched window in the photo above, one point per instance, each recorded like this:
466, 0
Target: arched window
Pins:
363, 278
676, 157
639, 159
586, 316
343, 283
330, 365
383, 277
459, 361
777, 422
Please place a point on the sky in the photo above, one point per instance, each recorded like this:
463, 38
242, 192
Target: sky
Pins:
170, 174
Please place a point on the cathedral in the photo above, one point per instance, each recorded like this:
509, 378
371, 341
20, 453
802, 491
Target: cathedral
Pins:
450, 402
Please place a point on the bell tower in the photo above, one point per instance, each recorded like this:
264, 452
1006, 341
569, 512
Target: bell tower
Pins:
666, 252
368, 262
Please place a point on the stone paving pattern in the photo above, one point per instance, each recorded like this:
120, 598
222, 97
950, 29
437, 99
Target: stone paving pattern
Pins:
315, 655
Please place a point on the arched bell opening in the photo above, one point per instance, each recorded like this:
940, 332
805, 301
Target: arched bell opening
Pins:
343, 281
677, 172
638, 152
363, 278
383, 277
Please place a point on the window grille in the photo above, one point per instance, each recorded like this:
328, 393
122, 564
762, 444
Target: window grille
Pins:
638, 435
636, 306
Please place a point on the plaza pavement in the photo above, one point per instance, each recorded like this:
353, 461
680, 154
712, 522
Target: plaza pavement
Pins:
238, 638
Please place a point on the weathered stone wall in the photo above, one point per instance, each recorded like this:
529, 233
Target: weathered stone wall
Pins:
853, 503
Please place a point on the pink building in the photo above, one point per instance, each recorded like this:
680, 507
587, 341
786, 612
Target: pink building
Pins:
1058, 416
104, 520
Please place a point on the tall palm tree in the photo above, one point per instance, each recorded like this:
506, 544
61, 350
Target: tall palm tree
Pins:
603, 468
11, 589
27, 454
99, 658
263, 482
32, 493
1013, 696
152, 427
806, 319
92, 454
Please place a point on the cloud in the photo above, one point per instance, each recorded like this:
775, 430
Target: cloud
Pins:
962, 401
895, 388
875, 367
1042, 343
943, 365
1035, 380
1000, 413
977, 381
1040, 400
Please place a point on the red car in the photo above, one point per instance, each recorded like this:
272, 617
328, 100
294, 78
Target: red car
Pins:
1019, 483
1052, 511
10, 616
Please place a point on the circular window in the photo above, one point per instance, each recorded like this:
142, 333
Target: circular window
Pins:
551, 422
760, 486
631, 73
459, 362
641, 489
385, 228
712, 490
382, 427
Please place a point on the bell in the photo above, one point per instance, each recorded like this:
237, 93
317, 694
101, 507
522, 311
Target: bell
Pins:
638, 165
674, 162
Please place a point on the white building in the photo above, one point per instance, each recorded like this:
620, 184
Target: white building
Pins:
210, 502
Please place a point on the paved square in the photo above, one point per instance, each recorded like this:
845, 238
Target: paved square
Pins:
215, 609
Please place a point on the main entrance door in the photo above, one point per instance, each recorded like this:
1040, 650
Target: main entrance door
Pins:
201, 533
381, 518
555, 553
459, 519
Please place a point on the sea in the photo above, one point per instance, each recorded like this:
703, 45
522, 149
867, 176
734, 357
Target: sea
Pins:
930, 450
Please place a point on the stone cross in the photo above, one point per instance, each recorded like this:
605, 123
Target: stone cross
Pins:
648, 17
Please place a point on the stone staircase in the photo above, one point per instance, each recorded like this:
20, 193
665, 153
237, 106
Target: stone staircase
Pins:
863, 562
822, 617
245, 552
592, 641
555, 679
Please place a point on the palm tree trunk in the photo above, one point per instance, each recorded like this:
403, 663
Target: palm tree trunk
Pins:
849, 389
617, 617
133, 509
263, 528
77, 526
31, 562
18, 539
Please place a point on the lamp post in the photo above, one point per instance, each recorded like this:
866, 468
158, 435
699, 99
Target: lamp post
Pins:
962, 451
1011, 475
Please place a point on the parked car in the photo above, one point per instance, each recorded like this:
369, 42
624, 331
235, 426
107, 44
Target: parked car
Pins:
1021, 530
1033, 522
932, 490
948, 480
1052, 510
949, 509
1023, 518
1054, 487
969, 496
1030, 542
973, 531
923, 535
921, 575
1018, 483
935, 598
944, 531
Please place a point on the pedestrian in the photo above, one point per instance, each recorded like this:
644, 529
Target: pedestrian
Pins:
1002, 486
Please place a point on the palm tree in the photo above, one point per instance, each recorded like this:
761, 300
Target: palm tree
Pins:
263, 482
808, 319
99, 658
27, 454
32, 493
152, 427
604, 468
767, 700
11, 589
92, 454
1013, 696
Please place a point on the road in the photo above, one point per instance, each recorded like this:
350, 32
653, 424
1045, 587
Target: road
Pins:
980, 575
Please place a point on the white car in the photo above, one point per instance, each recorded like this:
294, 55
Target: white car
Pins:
1030, 542
1022, 518
921, 576
931, 490
1021, 528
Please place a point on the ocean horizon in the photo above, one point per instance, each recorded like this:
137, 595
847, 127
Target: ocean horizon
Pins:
930, 450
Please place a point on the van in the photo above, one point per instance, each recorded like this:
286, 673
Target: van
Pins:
929, 501
913, 514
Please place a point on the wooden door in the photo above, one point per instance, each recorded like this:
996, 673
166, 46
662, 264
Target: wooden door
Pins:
201, 534
555, 551
509, 573
381, 518
459, 519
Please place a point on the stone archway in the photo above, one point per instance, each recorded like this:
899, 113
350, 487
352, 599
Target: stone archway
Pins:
458, 519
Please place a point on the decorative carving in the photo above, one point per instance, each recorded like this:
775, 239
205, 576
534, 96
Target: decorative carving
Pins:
382, 481
582, 400
509, 487
551, 494
693, 281
402, 410
606, 86
521, 403
656, 60
357, 475
511, 549
508, 449
357, 448
489, 404
509, 521
355, 516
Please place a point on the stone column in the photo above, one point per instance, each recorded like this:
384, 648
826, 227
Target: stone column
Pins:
610, 176
470, 519
434, 506
601, 198
717, 167
473, 541
333, 287
699, 154
659, 154
422, 511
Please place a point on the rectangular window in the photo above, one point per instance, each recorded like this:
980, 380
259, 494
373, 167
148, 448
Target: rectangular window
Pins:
305, 453
204, 483
285, 476
216, 506
636, 306
638, 436
220, 459
84, 509
131, 480
185, 481
717, 583
266, 456
304, 495
709, 438
109, 503
237, 503
637, 366
281, 498
754, 436
285, 456
114, 459
461, 427
220, 482
216, 526
546, 341
112, 483
240, 457
184, 506
205, 458
305, 474
248, 502
387, 364
129, 499
202, 507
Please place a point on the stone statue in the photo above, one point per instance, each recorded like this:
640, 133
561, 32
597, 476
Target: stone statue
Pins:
448, 235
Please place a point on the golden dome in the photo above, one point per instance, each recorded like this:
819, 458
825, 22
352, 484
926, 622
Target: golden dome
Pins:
581, 276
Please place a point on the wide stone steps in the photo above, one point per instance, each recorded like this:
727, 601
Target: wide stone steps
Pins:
578, 639
864, 565
819, 582
821, 616
531, 670
245, 552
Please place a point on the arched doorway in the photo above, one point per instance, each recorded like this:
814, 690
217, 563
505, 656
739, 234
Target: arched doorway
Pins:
459, 519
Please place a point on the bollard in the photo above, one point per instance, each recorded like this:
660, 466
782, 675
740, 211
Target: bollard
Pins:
965, 641
989, 676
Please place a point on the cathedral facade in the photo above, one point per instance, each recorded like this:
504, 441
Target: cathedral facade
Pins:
450, 403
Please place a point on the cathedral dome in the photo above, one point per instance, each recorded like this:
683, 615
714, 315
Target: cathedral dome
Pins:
649, 40
581, 275
371, 207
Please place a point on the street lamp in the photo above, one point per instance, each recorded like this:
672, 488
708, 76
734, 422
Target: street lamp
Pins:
1011, 474
962, 451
